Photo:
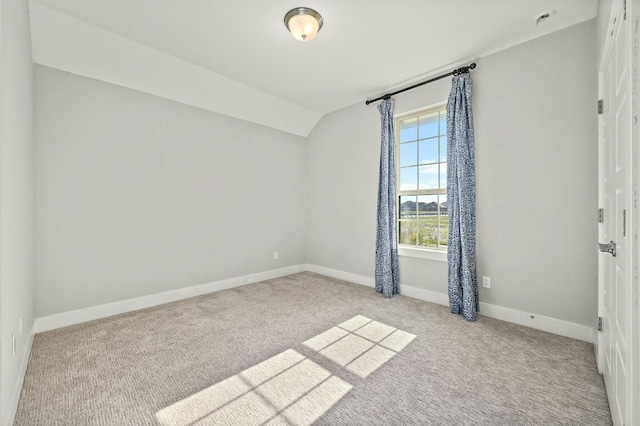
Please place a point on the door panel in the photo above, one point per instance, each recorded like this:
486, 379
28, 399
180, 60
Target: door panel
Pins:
615, 137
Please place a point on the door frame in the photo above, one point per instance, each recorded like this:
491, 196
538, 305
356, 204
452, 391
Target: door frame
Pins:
634, 398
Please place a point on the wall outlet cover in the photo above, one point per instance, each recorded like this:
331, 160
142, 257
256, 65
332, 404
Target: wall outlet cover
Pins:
486, 282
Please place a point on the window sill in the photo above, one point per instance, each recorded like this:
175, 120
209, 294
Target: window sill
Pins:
420, 253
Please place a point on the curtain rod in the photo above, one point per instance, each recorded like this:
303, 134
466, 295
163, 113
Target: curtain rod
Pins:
457, 71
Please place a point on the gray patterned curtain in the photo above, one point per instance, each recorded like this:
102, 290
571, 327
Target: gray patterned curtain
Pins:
461, 197
386, 237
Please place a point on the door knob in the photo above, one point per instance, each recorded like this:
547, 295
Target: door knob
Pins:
608, 248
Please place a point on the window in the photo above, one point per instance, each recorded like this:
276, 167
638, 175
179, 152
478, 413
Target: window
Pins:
421, 178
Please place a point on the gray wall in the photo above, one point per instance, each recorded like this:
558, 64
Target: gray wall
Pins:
536, 164
120, 178
16, 195
136, 195
602, 23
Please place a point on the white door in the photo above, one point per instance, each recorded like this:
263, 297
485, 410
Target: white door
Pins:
615, 301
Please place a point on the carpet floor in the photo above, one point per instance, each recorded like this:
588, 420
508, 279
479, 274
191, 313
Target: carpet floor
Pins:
308, 349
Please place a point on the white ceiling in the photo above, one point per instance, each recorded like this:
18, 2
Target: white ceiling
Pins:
365, 48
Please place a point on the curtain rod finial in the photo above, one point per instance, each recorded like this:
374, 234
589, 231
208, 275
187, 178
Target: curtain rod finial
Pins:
464, 70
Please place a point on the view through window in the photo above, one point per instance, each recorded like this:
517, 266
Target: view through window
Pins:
421, 159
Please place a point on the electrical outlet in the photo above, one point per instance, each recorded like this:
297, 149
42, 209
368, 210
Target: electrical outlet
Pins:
275, 255
486, 282
13, 344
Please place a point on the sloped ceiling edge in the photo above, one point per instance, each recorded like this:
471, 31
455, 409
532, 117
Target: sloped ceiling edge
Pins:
65, 43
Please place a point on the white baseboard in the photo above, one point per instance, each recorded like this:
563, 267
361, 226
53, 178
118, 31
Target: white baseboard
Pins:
540, 322
341, 275
422, 294
78, 316
10, 413
527, 319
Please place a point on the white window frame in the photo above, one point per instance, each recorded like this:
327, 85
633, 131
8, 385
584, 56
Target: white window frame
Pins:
430, 253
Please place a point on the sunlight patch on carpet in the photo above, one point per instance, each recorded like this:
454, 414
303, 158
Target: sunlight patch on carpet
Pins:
285, 389
323, 340
360, 344
290, 389
346, 349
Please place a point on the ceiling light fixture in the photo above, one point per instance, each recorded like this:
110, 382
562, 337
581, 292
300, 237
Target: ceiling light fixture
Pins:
303, 23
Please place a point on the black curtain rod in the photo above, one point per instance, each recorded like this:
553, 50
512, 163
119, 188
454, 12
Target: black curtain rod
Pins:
461, 70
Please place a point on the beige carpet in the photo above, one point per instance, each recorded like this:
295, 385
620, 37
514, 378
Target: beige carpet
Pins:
308, 349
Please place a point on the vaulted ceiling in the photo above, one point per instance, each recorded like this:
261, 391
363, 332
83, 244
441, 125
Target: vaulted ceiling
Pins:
237, 58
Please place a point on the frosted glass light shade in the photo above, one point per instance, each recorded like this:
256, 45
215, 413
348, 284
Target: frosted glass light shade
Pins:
303, 23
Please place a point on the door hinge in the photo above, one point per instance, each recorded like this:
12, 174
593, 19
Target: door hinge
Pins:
600, 320
601, 106
600, 215
625, 10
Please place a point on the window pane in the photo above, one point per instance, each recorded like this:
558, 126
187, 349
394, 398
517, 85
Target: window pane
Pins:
427, 206
408, 178
444, 220
407, 232
409, 130
428, 232
443, 175
444, 233
408, 207
443, 122
442, 200
443, 148
429, 177
409, 154
429, 151
422, 167
428, 220
428, 126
